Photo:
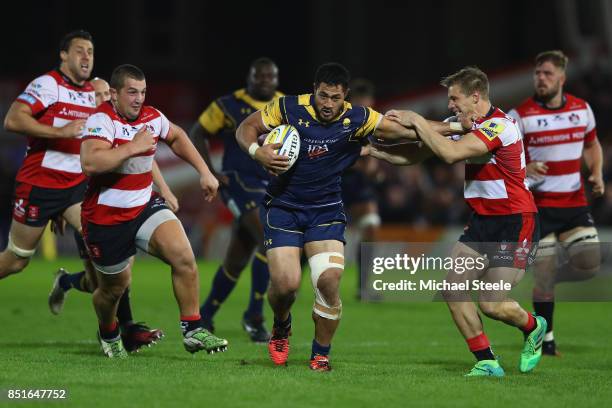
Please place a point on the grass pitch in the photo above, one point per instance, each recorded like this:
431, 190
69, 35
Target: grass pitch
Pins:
399, 354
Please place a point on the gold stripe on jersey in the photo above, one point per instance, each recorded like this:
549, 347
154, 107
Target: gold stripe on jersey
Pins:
258, 105
370, 125
271, 114
213, 119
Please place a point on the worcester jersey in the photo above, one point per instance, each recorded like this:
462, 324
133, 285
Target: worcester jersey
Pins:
326, 150
222, 117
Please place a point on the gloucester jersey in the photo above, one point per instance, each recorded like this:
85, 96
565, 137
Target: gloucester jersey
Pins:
557, 137
55, 101
121, 194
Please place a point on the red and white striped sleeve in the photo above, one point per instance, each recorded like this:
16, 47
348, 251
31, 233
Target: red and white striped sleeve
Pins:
41, 93
99, 126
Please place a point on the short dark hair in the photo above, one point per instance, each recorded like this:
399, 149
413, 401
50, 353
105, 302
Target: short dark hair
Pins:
470, 79
361, 87
332, 73
67, 39
261, 61
557, 57
125, 71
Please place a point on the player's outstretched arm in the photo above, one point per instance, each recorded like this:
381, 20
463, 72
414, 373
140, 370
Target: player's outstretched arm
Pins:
180, 144
19, 119
164, 189
404, 154
448, 150
391, 130
247, 134
593, 158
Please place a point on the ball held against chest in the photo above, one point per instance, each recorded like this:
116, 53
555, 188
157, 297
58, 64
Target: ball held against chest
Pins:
290, 139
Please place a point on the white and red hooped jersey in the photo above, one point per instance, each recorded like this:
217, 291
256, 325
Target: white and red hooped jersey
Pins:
557, 137
495, 182
55, 101
121, 195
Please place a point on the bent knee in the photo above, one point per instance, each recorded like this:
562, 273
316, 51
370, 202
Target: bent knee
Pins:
491, 309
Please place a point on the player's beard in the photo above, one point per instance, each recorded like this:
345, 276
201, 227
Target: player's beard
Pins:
547, 96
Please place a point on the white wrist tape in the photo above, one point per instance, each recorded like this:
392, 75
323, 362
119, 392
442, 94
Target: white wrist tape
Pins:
456, 126
252, 149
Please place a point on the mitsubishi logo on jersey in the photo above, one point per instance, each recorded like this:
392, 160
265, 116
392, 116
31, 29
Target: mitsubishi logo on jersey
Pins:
315, 151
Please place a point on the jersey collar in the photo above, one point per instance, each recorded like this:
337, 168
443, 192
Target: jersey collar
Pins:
255, 103
543, 105
307, 101
67, 79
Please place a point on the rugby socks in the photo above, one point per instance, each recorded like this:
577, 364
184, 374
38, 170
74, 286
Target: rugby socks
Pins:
109, 332
544, 305
72, 281
281, 328
260, 276
318, 349
124, 310
189, 323
530, 325
480, 347
222, 286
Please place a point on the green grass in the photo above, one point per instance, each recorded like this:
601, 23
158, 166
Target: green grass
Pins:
397, 354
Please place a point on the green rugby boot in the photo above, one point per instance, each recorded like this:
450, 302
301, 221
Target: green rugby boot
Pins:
486, 368
532, 349
201, 339
113, 348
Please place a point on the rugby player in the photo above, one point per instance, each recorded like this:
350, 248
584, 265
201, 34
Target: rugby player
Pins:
503, 225
243, 184
559, 130
303, 207
133, 334
120, 211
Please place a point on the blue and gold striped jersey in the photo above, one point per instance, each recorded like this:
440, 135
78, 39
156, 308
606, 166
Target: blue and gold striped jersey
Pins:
222, 117
326, 150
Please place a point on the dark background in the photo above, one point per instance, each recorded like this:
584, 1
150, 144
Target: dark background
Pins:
400, 45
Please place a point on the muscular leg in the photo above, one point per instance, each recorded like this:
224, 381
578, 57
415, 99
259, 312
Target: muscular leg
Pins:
24, 240
582, 248
170, 244
107, 294
285, 279
329, 267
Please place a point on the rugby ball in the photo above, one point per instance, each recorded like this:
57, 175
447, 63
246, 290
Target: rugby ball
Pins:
290, 138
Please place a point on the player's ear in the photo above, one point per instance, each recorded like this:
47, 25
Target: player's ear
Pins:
476, 97
63, 55
113, 94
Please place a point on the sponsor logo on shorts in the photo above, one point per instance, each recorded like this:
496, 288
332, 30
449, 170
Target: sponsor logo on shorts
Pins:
33, 212
19, 209
94, 251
